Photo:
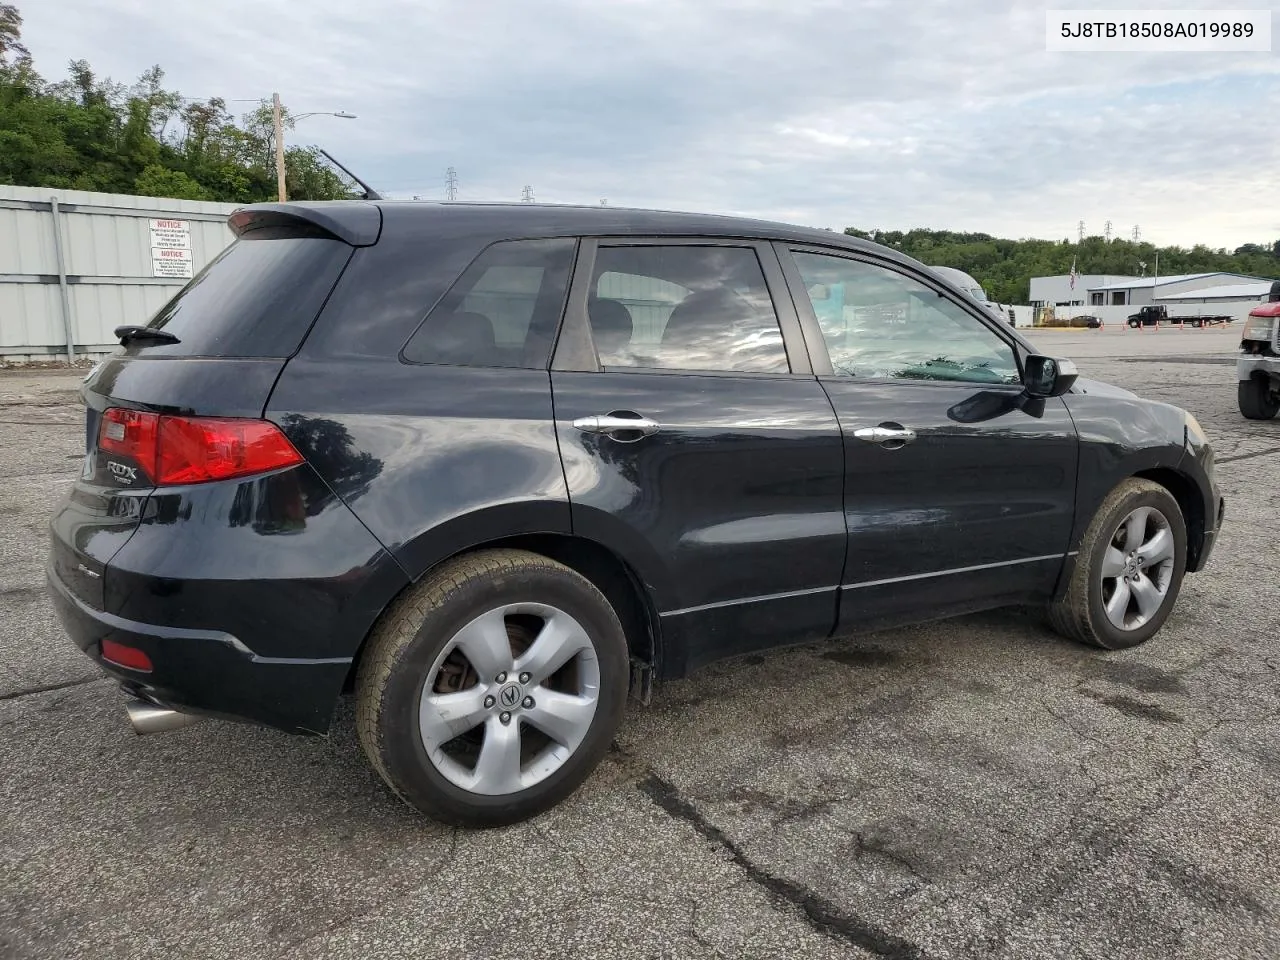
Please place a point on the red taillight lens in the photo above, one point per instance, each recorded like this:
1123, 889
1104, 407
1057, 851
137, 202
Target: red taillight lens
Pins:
129, 657
174, 450
199, 449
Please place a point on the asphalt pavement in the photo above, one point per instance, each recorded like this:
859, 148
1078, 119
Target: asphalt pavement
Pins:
977, 787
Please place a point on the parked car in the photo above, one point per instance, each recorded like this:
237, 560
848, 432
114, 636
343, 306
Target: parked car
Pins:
1258, 370
493, 467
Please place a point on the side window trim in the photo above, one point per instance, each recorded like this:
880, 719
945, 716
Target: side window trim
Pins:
809, 320
576, 350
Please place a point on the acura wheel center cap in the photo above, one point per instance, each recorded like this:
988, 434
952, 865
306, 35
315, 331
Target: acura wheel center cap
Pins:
509, 696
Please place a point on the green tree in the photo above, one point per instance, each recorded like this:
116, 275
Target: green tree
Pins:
158, 181
90, 133
11, 48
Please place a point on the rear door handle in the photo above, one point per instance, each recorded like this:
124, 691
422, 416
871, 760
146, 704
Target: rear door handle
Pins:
894, 436
614, 426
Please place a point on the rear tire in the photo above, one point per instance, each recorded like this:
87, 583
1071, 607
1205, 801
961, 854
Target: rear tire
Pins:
491, 689
1128, 571
1256, 399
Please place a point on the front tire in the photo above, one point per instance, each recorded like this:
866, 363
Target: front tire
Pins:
1128, 571
491, 689
1256, 399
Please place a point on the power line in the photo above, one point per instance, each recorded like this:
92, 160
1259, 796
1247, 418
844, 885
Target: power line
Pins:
451, 184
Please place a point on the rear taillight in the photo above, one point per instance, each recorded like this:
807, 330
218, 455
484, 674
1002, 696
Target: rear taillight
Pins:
174, 450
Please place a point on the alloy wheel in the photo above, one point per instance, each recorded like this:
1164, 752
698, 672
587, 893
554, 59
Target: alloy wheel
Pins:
1137, 568
509, 699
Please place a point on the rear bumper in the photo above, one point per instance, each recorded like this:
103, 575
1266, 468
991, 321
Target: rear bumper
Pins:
206, 671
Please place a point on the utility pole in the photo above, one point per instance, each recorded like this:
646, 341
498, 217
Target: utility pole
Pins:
278, 119
451, 184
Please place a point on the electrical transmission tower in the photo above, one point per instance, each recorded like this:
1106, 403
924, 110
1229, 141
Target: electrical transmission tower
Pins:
1108, 231
451, 184
604, 201
1137, 233
526, 195
1080, 231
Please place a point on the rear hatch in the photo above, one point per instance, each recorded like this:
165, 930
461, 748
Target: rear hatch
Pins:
214, 351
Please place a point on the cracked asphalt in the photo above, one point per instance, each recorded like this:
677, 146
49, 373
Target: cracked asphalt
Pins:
977, 787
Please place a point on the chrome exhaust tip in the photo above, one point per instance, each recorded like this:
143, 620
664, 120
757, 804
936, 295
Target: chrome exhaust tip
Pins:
149, 718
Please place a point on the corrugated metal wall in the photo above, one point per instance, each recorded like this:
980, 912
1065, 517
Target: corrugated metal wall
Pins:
106, 247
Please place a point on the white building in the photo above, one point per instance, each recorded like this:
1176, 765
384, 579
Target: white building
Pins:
1096, 290
1227, 293
1058, 292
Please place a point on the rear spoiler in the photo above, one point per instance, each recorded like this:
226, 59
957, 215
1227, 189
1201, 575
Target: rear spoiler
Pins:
351, 221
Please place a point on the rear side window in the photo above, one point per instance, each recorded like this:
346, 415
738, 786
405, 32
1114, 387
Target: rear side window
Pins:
257, 298
684, 308
502, 312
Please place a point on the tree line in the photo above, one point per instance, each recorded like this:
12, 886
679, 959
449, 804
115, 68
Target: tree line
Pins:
89, 133
1005, 267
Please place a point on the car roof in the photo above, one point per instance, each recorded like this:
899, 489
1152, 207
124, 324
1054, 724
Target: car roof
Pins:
363, 222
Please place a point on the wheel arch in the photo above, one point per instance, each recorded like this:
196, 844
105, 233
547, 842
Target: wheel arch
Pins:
613, 576
1185, 491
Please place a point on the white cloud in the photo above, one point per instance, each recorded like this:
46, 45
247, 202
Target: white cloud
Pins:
874, 113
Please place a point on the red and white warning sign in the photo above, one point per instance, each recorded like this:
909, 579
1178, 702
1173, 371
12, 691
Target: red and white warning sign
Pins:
171, 248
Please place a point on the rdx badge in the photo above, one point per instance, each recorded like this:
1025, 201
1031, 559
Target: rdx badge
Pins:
123, 471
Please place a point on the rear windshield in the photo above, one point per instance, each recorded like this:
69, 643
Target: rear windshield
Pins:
258, 298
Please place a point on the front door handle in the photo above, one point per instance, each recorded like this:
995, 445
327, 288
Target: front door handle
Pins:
891, 435
617, 427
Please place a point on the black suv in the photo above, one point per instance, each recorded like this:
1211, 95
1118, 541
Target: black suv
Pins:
492, 467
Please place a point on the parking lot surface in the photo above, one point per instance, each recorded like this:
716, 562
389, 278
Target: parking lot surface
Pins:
977, 787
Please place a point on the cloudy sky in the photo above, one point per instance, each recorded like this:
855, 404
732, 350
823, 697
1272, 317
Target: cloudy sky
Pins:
876, 113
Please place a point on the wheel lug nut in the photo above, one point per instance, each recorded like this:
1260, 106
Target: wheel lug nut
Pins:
489, 702
505, 717
528, 703
500, 678
524, 678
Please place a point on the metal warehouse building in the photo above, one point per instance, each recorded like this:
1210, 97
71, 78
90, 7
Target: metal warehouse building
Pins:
1100, 290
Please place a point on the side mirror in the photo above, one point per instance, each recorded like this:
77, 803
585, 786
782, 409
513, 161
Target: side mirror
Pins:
1047, 376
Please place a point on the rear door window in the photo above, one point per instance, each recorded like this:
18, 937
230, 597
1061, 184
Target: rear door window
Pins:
258, 298
503, 311
684, 307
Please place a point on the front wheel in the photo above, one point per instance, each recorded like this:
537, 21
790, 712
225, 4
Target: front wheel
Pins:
1128, 571
492, 688
1256, 399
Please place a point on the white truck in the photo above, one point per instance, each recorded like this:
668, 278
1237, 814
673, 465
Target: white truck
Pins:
1258, 369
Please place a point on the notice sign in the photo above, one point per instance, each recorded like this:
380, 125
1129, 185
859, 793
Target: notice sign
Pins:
171, 248
170, 262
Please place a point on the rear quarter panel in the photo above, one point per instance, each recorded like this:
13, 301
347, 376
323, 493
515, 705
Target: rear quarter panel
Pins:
433, 459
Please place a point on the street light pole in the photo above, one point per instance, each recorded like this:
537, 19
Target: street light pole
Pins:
278, 120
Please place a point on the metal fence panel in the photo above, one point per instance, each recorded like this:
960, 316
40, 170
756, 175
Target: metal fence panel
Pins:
107, 255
